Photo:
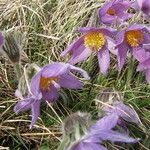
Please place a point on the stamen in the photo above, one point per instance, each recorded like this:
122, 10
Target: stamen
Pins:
134, 37
94, 40
46, 82
111, 11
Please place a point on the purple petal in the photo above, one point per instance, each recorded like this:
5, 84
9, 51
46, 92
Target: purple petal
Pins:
103, 10
144, 65
23, 105
104, 60
126, 112
108, 19
58, 69
69, 81
54, 69
35, 86
81, 71
120, 37
148, 75
137, 27
88, 146
51, 94
74, 47
115, 136
35, 112
81, 57
106, 123
140, 54
122, 54
145, 6
146, 38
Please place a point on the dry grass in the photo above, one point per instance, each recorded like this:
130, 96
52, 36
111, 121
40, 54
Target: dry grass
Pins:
49, 26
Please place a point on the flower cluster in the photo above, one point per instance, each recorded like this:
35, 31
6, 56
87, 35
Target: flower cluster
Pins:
126, 36
112, 127
133, 38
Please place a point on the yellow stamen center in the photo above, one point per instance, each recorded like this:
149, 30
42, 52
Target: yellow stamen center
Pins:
94, 40
134, 37
111, 11
46, 82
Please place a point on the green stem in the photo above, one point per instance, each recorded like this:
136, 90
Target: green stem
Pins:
18, 72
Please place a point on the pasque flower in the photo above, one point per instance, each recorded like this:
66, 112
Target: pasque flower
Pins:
119, 109
46, 84
114, 11
93, 40
131, 38
101, 131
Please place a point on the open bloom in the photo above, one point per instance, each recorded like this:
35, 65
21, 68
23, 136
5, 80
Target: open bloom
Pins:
132, 39
101, 131
114, 11
93, 40
45, 85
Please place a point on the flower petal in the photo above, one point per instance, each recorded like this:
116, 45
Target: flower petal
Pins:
81, 57
144, 65
81, 71
69, 81
104, 60
23, 105
74, 47
122, 54
140, 54
115, 136
106, 123
35, 111
126, 112
88, 146
35, 86
51, 94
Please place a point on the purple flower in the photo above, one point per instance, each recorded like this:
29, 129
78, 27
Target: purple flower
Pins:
125, 112
114, 11
143, 56
46, 84
93, 40
101, 131
144, 6
131, 38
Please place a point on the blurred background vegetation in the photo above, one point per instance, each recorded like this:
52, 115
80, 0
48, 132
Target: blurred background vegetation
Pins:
49, 26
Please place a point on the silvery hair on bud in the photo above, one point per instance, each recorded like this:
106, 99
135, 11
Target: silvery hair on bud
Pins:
109, 96
12, 46
71, 121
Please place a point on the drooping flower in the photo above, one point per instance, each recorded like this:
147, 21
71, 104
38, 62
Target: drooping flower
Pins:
125, 112
114, 11
132, 39
93, 40
102, 131
46, 84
